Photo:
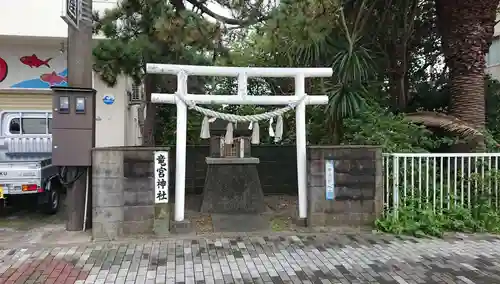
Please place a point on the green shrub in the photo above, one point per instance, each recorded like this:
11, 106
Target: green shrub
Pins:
418, 217
377, 126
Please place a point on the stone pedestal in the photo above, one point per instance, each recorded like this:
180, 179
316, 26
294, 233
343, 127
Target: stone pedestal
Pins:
232, 185
181, 227
161, 225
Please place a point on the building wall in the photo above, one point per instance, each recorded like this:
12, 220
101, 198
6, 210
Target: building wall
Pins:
133, 133
110, 118
20, 100
494, 71
39, 18
496, 32
493, 56
32, 66
28, 70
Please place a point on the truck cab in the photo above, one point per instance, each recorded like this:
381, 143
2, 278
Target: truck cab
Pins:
26, 169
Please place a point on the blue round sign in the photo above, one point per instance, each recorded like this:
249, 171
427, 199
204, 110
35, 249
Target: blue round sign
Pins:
108, 99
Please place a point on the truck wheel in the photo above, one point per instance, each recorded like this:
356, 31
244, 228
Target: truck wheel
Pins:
53, 198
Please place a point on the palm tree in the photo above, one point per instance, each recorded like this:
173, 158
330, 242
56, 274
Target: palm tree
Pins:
466, 28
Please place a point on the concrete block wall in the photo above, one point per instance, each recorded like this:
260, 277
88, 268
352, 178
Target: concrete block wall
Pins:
123, 186
277, 168
107, 194
138, 192
358, 197
123, 192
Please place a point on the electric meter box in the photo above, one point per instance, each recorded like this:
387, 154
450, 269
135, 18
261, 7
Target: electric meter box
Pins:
73, 126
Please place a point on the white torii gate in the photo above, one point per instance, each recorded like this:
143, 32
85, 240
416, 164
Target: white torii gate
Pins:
242, 73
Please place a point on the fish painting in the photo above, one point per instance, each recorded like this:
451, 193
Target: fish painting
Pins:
4, 69
53, 78
34, 61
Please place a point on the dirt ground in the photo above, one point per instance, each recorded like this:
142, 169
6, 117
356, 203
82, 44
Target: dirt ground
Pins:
281, 212
281, 209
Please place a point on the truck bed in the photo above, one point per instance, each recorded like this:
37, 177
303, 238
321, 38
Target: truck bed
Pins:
24, 169
24, 157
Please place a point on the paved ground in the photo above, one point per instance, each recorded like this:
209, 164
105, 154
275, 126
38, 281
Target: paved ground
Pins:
291, 259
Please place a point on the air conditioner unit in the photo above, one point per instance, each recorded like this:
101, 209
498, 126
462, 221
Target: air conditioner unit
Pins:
135, 94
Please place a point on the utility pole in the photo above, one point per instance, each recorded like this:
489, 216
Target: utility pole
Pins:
79, 63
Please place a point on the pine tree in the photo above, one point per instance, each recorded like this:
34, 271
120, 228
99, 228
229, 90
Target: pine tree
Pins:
157, 31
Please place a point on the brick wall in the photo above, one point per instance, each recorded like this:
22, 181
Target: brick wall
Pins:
358, 185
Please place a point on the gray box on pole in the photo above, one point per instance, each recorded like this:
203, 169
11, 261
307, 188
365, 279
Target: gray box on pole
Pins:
73, 123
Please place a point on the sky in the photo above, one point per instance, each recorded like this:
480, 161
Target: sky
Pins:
43, 17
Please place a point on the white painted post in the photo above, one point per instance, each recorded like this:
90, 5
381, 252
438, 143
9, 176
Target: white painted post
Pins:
300, 130
180, 149
242, 85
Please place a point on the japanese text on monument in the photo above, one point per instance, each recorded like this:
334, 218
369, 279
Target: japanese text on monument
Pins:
72, 11
161, 177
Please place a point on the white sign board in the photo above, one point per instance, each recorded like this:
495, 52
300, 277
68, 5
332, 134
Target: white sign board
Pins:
72, 12
330, 179
161, 176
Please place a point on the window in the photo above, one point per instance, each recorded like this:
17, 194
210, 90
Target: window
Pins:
31, 126
14, 127
493, 56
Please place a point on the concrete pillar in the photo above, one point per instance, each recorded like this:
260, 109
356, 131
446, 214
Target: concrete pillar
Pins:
79, 75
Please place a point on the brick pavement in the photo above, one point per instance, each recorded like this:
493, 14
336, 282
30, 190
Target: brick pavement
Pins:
276, 259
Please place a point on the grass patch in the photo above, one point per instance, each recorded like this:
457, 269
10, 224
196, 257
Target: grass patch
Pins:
279, 224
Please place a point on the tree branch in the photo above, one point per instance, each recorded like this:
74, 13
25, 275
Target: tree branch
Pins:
221, 18
178, 4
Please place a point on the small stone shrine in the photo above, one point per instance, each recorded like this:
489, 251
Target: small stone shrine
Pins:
232, 183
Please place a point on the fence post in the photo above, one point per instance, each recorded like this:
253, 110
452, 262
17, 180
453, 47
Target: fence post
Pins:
395, 182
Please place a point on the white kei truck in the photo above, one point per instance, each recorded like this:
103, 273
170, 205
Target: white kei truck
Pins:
26, 170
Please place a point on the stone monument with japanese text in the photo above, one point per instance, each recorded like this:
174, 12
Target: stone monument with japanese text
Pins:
232, 183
